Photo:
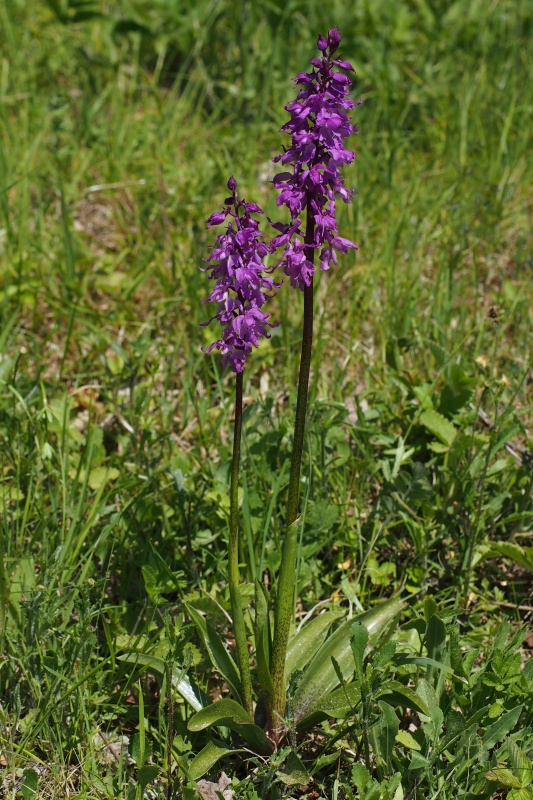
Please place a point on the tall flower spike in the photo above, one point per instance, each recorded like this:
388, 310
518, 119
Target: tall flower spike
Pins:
242, 285
318, 127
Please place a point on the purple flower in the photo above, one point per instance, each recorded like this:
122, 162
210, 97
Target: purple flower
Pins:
242, 284
318, 127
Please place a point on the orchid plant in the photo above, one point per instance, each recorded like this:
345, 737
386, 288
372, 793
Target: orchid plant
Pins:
313, 660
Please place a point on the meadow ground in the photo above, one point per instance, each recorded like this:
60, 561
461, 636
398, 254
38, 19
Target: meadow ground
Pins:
120, 125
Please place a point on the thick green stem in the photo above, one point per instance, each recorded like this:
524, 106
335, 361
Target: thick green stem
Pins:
287, 577
233, 556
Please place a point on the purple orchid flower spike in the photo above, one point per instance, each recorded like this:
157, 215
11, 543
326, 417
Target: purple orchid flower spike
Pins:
242, 283
318, 127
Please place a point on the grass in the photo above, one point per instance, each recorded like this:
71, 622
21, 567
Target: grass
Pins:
118, 134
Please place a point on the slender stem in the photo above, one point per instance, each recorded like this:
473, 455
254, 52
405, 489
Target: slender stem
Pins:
233, 556
287, 582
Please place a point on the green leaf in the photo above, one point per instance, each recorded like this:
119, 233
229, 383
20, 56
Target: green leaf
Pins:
418, 761
439, 426
359, 642
520, 794
208, 757
305, 643
424, 661
29, 785
294, 773
102, 475
146, 775
435, 644
504, 777
399, 793
407, 740
456, 655
387, 730
218, 654
360, 778
399, 695
428, 694
430, 608
320, 677
181, 683
231, 714
139, 749
337, 704
496, 732
520, 763
523, 556
223, 712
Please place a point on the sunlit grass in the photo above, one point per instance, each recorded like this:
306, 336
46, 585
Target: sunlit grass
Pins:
115, 427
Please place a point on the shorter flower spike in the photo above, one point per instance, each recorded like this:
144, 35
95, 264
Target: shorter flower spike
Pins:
318, 127
242, 283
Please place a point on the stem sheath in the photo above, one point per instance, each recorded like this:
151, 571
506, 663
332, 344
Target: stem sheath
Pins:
233, 556
287, 579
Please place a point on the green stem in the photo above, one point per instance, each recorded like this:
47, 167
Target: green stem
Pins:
233, 556
287, 581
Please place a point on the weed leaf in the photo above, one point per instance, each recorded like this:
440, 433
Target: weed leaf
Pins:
208, 757
496, 732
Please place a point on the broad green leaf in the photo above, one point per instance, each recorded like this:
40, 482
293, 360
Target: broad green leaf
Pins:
399, 793
139, 749
520, 794
181, 683
325, 760
218, 654
439, 426
336, 705
504, 777
360, 777
146, 775
418, 761
428, 694
102, 475
223, 712
305, 643
456, 655
428, 662
433, 727
496, 732
359, 642
430, 608
523, 556
454, 725
28, 790
208, 757
435, 644
294, 772
396, 694
320, 677
231, 714
387, 729
407, 740
520, 763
